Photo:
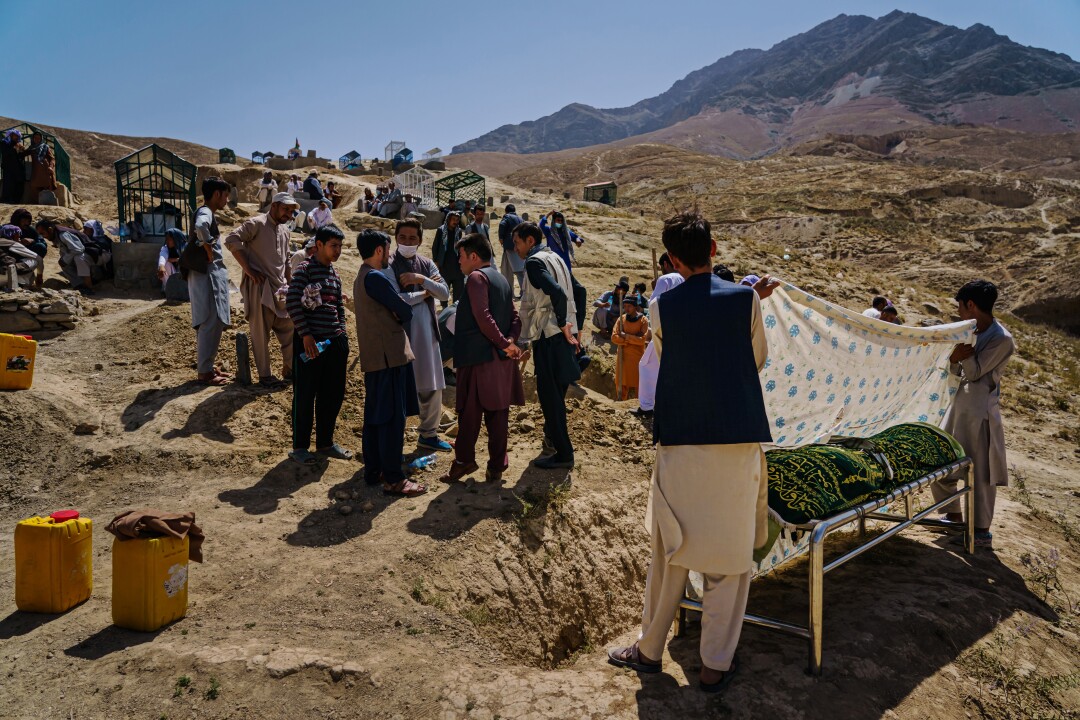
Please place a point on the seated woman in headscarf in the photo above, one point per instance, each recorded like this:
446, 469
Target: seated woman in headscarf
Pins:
169, 258
14, 253
24, 220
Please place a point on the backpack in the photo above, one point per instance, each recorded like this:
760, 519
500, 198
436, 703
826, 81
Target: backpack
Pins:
196, 257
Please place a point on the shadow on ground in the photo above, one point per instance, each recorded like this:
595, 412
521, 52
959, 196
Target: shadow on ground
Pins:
107, 641
939, 602
279, 482
209, 417
148, 403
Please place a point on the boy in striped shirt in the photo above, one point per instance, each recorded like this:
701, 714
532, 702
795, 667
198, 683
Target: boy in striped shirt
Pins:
315, 304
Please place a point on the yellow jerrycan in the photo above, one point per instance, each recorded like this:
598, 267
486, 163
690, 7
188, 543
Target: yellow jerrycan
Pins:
150, 582
54, 562
17, 354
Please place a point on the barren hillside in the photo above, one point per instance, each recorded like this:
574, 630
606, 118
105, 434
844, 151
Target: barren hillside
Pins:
322, 598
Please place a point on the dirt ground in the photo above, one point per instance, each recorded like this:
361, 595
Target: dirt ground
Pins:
498, 601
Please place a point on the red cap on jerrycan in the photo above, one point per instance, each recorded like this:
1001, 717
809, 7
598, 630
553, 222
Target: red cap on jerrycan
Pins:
64, 515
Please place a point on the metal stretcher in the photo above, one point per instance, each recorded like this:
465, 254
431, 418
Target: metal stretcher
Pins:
818, 529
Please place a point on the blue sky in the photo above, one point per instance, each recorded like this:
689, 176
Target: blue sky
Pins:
354, 75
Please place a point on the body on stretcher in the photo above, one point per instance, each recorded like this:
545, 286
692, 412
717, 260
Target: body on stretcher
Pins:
807, 504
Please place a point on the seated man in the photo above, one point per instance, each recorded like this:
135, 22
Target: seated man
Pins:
265, 190
312, 187
608, 306
321, 216
390, 207
409, 206
874, 311
890, 315
331, 193
294, 186
74, 263
298, 257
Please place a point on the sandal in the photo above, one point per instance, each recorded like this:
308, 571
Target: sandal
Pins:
212, 380
336, 451
405, 488
303, 457
630, 657
725, 679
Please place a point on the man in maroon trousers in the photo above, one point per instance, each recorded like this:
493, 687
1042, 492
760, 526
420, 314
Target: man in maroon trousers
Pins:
485, 359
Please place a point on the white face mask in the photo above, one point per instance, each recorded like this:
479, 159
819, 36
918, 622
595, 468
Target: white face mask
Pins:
407, 251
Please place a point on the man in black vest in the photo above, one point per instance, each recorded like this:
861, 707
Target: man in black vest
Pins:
707, 509
485, 357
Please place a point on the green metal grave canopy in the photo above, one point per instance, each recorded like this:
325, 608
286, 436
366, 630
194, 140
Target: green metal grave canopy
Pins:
155, 190
603, 192
63, 162
465, 185
226, 155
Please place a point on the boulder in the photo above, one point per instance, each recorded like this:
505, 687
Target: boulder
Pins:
45, 317
18, 321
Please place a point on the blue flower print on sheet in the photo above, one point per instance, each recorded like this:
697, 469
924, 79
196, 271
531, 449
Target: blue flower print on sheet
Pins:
813, 395
817, 338
770, 321
780, 422
793, 331
789, 369
810, 374
792, 391
770, 386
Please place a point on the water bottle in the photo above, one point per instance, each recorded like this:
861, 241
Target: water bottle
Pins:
320, 346
420, 463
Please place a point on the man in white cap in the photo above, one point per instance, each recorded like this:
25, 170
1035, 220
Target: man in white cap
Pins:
261, 247
322, 215
302, 254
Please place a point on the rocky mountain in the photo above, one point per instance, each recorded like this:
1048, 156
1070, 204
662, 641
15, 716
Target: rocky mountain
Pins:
851, 74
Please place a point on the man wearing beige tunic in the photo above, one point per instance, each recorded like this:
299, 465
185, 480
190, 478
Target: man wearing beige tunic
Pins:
707, 504
975, 416
261, 246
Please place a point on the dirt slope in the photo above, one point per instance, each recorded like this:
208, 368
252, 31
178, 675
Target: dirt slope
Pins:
481, 601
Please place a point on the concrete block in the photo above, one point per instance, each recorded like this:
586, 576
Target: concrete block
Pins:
433, 219
136, 265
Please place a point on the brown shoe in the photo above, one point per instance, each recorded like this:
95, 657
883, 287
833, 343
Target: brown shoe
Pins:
493, 476
458, 470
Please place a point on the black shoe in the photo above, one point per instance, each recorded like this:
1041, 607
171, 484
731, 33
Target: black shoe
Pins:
642, 413
449, 377
554, 463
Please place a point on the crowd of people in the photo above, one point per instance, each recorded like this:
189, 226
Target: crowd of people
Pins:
85, 256
694, 344
27, 171
296, 299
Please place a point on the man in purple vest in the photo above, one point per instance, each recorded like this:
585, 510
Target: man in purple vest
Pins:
485, 357
707, 504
